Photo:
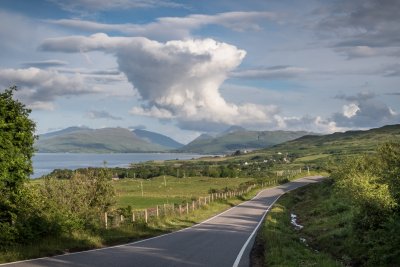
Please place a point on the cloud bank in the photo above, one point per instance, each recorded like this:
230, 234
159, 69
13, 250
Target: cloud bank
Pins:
365, 28
365, 111
167, 28
41, 87
103, 5
102, 114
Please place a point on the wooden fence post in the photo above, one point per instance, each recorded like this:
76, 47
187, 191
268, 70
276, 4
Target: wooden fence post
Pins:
157, 211
180, 210
193, 204
133, 216
106, 220
145, 215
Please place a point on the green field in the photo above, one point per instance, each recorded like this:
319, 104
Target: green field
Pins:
311, 158
157, 191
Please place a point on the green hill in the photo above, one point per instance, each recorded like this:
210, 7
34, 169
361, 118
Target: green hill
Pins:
350, 142
85, 140
310, 149
239, 139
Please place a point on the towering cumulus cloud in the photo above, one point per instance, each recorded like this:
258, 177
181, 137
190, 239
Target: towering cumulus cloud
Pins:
177, 80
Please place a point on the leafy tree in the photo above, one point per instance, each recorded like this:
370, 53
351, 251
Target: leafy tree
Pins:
16, 150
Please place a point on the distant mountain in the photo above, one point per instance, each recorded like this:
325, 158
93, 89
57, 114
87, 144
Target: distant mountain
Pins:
238, 138
157, 138
106, 140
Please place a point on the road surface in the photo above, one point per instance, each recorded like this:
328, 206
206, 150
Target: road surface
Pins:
224, 240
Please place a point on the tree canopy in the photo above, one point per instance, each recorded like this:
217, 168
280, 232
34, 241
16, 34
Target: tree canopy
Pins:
16, 150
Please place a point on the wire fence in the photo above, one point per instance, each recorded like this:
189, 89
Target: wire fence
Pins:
116, 218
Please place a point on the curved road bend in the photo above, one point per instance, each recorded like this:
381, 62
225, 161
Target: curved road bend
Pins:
224, 240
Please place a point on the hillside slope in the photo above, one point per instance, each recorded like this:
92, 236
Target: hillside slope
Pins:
350, 142
157, 138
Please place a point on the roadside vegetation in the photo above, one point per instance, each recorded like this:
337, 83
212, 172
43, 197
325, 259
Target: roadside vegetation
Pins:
83, 239
351, 219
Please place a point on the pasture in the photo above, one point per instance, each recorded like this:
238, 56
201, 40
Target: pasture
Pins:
159, 191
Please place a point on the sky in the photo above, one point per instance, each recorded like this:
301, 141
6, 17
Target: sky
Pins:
183, 68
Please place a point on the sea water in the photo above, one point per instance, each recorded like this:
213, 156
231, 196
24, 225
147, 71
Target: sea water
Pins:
44, 163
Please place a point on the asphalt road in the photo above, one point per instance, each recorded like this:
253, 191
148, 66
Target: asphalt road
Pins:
224, 240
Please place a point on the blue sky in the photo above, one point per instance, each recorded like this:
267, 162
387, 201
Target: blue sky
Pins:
183, 68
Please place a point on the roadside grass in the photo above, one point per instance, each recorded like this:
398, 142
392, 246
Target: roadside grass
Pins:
125, 233
325, 239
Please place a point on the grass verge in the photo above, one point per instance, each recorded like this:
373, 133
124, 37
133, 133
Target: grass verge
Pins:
324, 238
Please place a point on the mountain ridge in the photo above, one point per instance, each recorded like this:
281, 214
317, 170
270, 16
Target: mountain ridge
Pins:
239, 139
104, 140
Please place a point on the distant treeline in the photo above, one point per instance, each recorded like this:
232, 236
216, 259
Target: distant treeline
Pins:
185, 170
256, 167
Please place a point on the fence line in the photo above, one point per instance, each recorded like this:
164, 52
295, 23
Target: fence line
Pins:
115, 218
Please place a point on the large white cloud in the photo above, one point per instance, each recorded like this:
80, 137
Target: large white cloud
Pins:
177, 80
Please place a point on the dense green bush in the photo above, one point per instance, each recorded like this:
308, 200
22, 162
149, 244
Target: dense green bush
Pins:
80, 200
372, 183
